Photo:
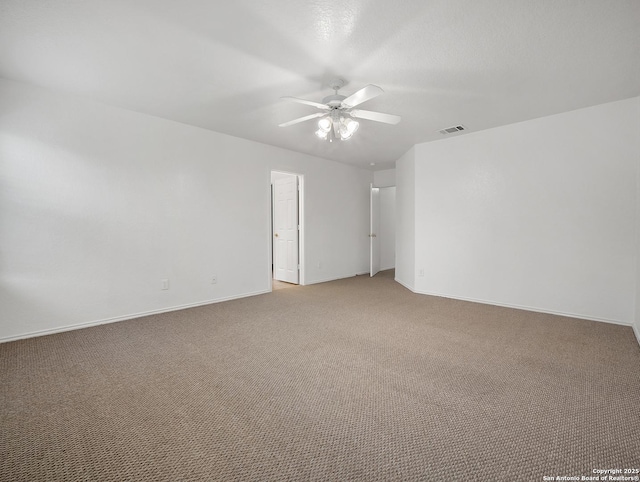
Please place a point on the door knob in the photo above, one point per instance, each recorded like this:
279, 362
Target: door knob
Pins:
276, 235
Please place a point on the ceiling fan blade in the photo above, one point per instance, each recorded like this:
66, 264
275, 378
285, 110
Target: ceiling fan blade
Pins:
376, 116
366, 93
302, 119
307, 102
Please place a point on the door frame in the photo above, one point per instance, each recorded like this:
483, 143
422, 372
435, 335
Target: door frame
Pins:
301, 262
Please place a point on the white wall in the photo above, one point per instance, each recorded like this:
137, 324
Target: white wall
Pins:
405, 219
386, 178
98, 204
539, 214
387, 231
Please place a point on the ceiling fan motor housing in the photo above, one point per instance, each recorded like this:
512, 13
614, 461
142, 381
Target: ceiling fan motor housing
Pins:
334, 100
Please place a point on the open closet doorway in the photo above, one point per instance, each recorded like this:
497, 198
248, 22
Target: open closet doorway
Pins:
383, 229
286, 228
374, 220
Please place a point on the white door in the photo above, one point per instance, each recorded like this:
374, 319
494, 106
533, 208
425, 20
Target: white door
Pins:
373, 234
285, 229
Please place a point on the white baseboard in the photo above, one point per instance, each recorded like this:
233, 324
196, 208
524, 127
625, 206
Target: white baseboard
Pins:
334, 278
116, 319
527, 308
132, 316
410, 288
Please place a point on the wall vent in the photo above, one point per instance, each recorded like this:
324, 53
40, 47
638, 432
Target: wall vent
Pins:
451, 130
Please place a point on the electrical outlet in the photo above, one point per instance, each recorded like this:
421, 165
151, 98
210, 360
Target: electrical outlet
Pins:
165, 284
214, 279
421, 272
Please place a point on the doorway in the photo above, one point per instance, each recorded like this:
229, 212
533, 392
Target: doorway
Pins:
374, 221
382, 235
286, 229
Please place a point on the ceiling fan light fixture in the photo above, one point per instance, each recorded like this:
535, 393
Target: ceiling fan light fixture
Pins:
322, 134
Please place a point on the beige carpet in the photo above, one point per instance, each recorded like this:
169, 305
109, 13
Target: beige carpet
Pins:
281, 285
356, 379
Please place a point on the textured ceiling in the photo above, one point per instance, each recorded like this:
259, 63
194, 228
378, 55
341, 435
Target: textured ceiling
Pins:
224, 65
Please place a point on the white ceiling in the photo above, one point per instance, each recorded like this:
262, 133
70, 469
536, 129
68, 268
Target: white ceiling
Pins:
224, 65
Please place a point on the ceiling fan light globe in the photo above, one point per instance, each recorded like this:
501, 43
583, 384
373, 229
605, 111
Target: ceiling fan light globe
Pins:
345, 134
324, 124
352, 125
321, 134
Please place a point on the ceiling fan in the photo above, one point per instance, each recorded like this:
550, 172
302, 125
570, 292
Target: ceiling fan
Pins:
337, 119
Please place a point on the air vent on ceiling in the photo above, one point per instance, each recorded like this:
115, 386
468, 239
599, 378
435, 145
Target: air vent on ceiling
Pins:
451, 130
